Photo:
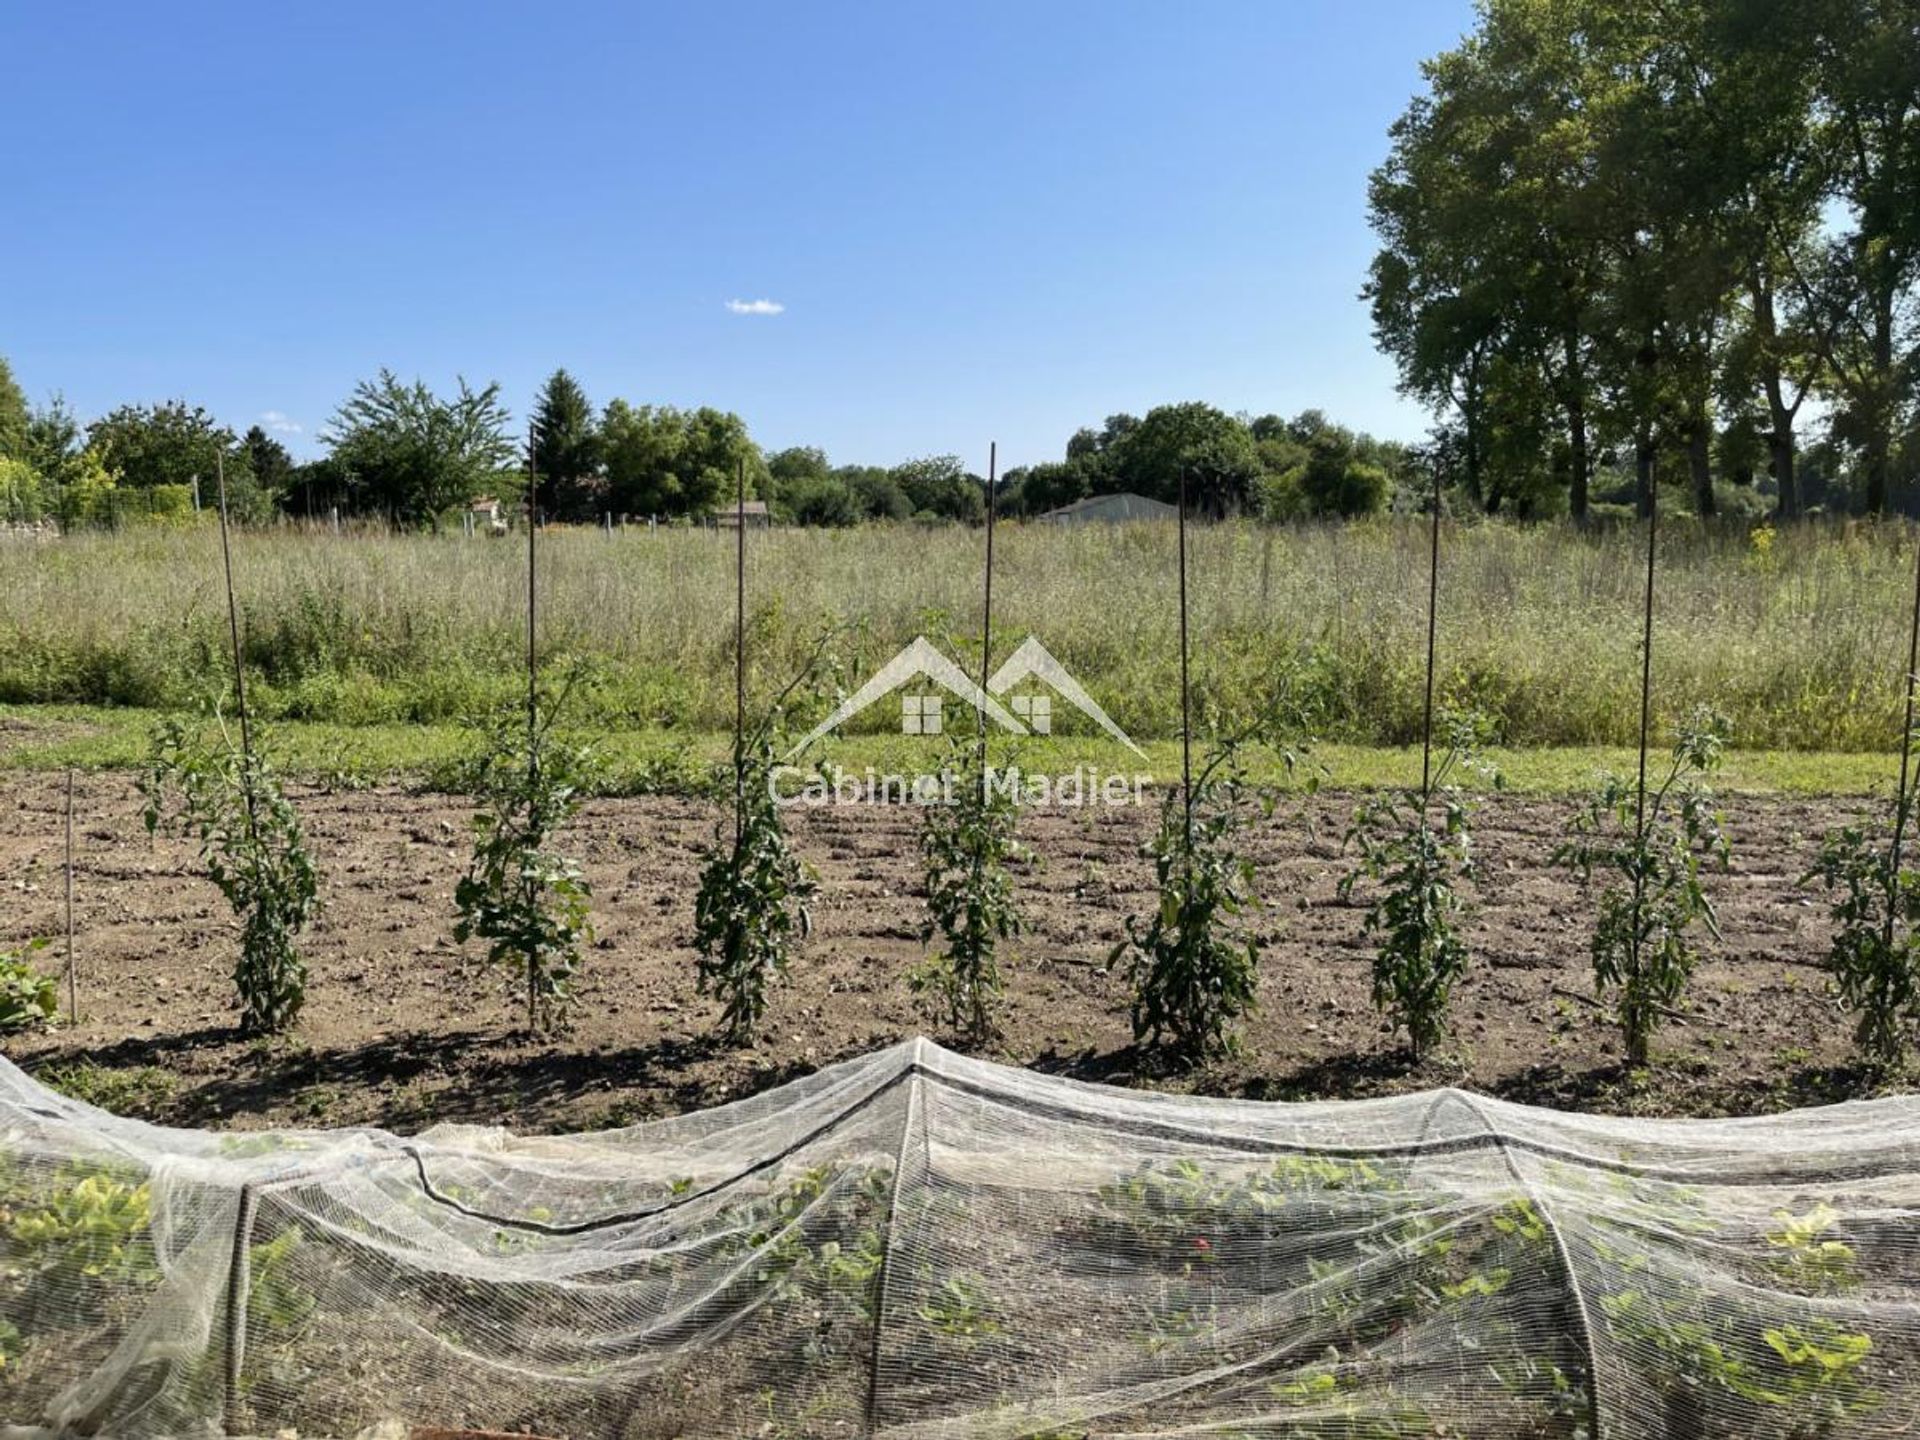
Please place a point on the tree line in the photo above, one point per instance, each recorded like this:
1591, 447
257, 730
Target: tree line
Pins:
1627, 242
399, 451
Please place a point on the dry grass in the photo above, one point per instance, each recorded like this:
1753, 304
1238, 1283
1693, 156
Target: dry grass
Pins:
1799, 641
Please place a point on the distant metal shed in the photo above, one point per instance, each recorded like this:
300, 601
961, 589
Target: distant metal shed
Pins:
1109, 509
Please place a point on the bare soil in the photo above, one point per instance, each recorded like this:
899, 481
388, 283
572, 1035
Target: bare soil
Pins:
403, 1029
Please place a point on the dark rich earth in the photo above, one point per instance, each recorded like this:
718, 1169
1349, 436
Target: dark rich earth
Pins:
402, 1029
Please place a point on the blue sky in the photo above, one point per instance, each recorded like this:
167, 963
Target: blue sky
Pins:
992, 221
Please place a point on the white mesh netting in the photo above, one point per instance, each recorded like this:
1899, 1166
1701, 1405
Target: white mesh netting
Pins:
919, 1244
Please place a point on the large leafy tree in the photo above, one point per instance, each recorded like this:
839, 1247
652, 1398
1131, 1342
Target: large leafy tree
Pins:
1866, 74
269, 460
54, 447
13, 415
665, 461
410, 454
939, 486
171, 443
566, 449
1214, 450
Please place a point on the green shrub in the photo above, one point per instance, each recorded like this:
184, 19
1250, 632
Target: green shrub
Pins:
1875, 953
209, 788
28, 998
967, 844
1643, 944
1418, 866
754, 899
526, 900
1192, 963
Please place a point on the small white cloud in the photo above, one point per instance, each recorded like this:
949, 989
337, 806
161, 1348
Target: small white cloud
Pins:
755, 307
280, 424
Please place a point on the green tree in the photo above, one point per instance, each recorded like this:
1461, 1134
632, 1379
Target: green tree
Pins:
822, 500
875, 492
665, 461
939, 486
566, 449
1215, 451
53, 442
13, 415
414, 456
269, 462
1865, 60
171, 443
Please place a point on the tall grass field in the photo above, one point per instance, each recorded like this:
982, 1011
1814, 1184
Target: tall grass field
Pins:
1799, 635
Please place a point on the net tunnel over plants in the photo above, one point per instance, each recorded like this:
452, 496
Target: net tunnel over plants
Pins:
917, 1244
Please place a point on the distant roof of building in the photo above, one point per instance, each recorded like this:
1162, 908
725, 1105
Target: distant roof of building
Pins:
1122, 505
752, 509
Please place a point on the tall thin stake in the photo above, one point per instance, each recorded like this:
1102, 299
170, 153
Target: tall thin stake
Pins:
1433, 626
986, 608
533, 655
73, 982
533, 689
1186, 699
1646, 679
1906, 753
740, 656
233, 631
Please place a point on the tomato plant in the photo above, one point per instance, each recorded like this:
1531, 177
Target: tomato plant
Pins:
227, 797
1419, 864
1656, 845
528, 901
967, 843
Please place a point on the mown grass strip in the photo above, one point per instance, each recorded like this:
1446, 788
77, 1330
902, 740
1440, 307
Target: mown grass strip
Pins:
49, 738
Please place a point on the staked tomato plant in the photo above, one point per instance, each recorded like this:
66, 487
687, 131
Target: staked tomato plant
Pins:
227, 797
1874, 957
528, 901
1656, 849
1419, 863
968, 842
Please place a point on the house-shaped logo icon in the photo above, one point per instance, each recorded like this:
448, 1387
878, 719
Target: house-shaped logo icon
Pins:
1032, 660
923, 714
